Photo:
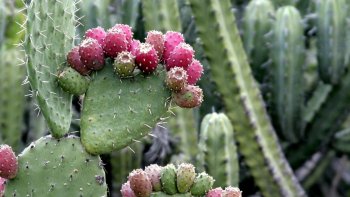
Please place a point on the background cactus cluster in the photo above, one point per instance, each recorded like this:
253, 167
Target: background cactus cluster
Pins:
94, 91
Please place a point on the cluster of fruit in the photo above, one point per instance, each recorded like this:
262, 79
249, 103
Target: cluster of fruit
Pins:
181, 181
8, 166
130, 57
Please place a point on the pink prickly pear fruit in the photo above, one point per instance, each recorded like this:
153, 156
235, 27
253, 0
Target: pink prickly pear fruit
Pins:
97, 33
190, 97
217, 192
8, 162
194, 72
126, 191
146, 58
153, 172
115, 42
185, 177
156, 39
171, 40
135, 45
232, 192
124, 64
176, 79
127, 30
181, 56
91, 54
140, 183
73, 59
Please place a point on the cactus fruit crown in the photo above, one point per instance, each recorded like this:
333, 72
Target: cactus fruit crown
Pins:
169, 180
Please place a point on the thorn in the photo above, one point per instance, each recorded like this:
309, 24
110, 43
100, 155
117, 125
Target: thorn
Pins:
131, 149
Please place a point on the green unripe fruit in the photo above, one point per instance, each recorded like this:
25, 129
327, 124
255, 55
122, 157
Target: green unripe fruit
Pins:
202, 184
168, 179
185, 177
124, 64
71, 81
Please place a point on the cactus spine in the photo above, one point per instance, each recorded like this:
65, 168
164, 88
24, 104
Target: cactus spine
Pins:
47, 43
287, 53
245, 108
218, 152
256, 25
331, 35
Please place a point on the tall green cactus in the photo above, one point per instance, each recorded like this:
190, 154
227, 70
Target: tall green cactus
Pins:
3, 21
288, 59
257, 22
257, 139
331, 39
50, 35
218, 151
51, 167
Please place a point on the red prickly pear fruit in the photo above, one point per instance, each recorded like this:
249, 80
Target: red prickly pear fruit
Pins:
127, 191
189, 97
127, 30
217, 192
156, 39
181, 56
176, 79
232, 192
91, 54
115, 42
140, 183
135, 45
185, 177
146, 58
8, 162
73, 59
2, 186
171, 40
153, 172
124, 64
97, 33
194, 72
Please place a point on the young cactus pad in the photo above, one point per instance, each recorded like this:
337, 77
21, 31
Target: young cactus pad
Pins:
117, 111
51, 167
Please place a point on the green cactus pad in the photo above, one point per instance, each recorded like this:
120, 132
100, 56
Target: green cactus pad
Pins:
71, 81
118, 111
51, 167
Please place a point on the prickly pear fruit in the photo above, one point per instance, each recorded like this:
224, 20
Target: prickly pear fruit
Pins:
73, 59
91, 54
176, 79
97, 33
8, 162
146, 58
2, 186
217, 192
194, 72
135, 45
72, 82
171, 40
232, 192
168, 179
185, 177
115, 42
191, 96
127, 30
153, 172
156, 39
202, 184
181, 56
127, 191
140, 183
124, 64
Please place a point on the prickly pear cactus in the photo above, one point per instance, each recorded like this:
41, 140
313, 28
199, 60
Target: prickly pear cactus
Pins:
216, 136
118, 112
51, 167
331, 39
287, 53
47, 43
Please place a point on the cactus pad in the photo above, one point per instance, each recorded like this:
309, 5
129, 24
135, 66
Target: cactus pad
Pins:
51, 167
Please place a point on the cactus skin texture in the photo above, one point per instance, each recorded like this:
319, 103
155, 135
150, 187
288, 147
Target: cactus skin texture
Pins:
287, 53
51, 167
257, 139
12, 99
216, 136
161, 15
129, 111
331, 34
71, 81
257, 22
47, 44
